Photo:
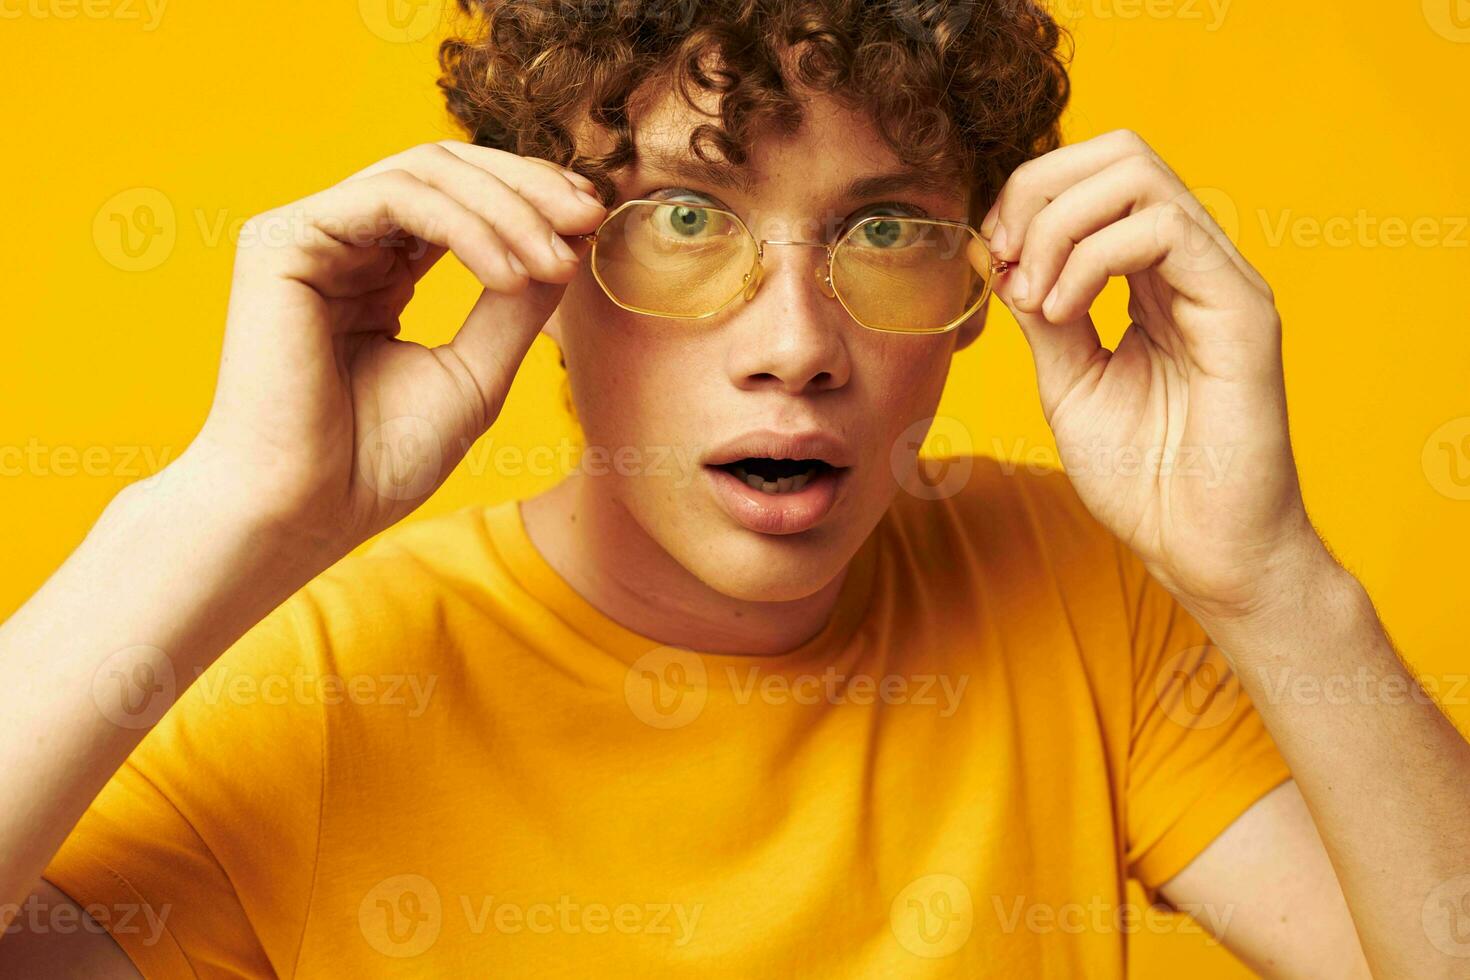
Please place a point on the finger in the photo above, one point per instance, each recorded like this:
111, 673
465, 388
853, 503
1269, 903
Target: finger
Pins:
1122, 188
1164, 238
358, 214
1064, 352
567, 199
580, 181
1205, 220
375, 311
427, 258
492, 342
520, 225
1036, 183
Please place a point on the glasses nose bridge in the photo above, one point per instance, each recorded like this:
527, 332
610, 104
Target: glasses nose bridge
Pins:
823, 272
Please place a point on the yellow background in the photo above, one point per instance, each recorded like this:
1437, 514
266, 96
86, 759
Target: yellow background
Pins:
1330, 140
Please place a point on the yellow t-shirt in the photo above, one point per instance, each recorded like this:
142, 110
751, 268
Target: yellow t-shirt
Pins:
438, 760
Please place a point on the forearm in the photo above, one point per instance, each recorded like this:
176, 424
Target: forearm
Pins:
1383, 771
166, 580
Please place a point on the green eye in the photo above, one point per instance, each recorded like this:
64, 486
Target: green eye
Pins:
687, 221
883, 234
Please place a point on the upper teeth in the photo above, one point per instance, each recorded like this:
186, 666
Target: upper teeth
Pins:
786, 484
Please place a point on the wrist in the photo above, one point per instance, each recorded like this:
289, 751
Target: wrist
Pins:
1303, 588
204, 498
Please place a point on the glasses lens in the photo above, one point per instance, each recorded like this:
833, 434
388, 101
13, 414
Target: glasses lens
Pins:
674, 259
911, 274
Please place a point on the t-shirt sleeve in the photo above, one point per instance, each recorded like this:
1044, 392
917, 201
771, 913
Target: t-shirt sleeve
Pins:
1199, 755
198, 855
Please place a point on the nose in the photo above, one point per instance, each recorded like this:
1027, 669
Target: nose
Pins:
790, 334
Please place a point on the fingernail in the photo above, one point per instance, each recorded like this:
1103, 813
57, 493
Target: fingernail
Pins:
1049, 305
1019, 286
562, 249
590, 201
516, 266
998, 243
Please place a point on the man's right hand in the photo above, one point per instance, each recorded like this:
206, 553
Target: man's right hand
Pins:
324, 423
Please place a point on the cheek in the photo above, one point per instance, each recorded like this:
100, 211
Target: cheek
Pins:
905, 374
630, 376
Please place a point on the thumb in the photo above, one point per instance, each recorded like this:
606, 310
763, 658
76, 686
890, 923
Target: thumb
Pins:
1062, 351
495, 336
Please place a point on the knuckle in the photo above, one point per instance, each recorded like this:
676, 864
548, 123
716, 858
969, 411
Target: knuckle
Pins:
1084, 257
1174, 216
1130, 140
1025, 174
1045, 227
397, 180
433, 155
255, 223
1143, 167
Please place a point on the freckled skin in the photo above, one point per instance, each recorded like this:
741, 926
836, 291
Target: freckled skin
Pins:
790, 359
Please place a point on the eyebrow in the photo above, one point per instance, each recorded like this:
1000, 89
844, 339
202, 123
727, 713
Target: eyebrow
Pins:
728, 176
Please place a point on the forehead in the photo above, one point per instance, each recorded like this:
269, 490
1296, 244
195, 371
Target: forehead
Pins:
837, 154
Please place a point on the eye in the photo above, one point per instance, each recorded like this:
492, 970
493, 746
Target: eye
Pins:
684, 216
886, 232
883, 233
886, 226
686, 220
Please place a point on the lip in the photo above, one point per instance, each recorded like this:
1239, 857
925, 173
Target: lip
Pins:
785, 513
810, 444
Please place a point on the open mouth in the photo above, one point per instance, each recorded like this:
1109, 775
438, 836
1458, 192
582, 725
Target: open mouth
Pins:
776, 476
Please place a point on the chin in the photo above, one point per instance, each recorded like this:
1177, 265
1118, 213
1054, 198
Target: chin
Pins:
755, 567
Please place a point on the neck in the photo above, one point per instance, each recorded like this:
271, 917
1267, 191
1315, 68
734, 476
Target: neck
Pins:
600, 549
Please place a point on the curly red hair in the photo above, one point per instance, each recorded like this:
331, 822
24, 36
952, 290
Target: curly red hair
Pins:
972, 87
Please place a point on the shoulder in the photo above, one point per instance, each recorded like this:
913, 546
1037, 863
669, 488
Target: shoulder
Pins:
980, 505
415, 561
395, 598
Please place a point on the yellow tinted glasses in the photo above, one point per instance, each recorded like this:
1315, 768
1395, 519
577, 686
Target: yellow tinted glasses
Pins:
894, 273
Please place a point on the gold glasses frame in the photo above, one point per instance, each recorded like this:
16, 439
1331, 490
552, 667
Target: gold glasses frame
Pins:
751, 283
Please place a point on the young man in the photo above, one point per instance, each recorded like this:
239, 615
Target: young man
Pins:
702, 711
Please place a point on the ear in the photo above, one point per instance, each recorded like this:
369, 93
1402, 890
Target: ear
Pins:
970, 329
